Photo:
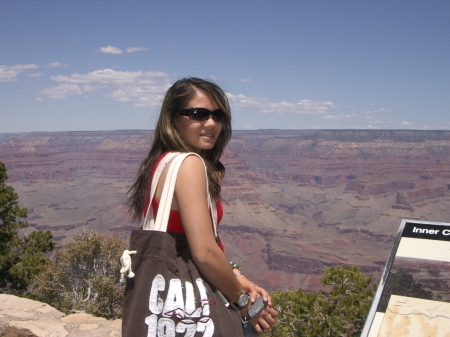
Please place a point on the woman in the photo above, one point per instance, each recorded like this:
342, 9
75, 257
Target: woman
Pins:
195, 117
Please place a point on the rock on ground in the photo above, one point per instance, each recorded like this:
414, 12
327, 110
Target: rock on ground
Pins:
21, 317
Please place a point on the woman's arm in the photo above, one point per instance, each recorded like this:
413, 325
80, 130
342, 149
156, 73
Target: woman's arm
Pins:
191, 199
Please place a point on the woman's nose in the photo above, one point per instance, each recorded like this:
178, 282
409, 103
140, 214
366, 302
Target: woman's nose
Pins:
210, 121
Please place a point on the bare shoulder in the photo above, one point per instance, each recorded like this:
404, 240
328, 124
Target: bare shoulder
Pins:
192, 176
192, 165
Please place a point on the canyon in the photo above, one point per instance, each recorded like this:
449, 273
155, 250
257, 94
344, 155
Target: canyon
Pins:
295, 201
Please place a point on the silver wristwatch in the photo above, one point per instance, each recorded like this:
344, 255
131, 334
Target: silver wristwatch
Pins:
242, 301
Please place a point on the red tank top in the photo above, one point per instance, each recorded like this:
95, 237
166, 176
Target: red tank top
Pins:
174, 225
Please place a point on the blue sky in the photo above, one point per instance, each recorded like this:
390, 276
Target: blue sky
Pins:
105, 65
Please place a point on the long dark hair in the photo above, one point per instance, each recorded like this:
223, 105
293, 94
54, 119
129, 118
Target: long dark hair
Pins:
167, 138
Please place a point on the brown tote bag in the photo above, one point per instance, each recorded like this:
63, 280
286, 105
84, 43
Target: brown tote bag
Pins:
165, 294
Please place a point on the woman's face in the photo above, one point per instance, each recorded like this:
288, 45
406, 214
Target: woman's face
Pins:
200, 135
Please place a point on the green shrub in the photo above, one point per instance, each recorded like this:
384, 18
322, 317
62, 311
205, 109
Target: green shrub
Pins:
341, 312
83, 276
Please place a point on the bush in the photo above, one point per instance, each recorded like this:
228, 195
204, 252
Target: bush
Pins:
341, 312
84, 276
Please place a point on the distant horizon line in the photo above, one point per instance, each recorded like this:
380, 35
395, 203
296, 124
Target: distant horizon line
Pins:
234, 130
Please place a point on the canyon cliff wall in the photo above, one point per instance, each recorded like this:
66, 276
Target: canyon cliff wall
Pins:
295, 202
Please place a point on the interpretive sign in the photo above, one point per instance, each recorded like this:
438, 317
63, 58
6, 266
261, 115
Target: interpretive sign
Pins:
413, 296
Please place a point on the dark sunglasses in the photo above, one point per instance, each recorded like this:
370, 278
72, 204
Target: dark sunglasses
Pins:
202, 114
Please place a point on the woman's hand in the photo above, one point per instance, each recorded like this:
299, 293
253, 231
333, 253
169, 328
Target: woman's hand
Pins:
254, 290
266, 318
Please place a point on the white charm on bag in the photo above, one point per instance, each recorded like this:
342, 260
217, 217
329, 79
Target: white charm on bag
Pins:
125, 261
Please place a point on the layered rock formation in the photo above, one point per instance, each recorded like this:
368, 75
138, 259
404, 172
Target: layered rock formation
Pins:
20, 317
295, 201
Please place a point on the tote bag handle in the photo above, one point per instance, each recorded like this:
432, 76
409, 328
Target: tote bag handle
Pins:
162, 218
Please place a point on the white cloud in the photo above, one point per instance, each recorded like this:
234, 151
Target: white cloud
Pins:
315, 107
369, 112
140, 88
135, 49
36, 75
330, 117
56, 65
110, 50
10, 73
246, 80
141, 96
264, 105
147, 88
248, 127
62, 91
339, 116
405, 123
112, 77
